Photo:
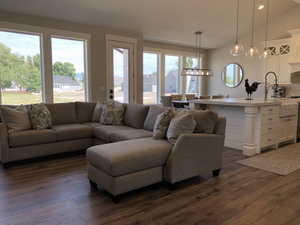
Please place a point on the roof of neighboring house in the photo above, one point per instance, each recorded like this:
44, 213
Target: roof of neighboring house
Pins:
58, 79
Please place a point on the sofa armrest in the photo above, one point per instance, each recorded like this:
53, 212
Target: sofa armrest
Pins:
3, 143
193, 154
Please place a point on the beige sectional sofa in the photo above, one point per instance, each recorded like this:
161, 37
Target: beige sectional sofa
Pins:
120, 158
72, 130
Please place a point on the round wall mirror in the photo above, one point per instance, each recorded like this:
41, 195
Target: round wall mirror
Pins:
232, 75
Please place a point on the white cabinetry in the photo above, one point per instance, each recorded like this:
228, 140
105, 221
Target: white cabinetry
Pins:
288, 123
278, 62
268, 126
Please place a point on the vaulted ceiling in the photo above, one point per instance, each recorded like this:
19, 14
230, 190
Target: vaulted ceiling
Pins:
171, 21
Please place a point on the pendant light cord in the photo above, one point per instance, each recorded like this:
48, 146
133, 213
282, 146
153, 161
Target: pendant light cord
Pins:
253, 23
267, 24
237, 21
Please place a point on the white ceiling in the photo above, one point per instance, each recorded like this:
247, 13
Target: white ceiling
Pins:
171, 21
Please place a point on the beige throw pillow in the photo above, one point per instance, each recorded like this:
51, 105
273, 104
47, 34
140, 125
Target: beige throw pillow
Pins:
182, 123
162, 123
16, 118
206, 121
112, 114
40, 117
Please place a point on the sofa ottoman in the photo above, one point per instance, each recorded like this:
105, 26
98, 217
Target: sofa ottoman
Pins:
128, 165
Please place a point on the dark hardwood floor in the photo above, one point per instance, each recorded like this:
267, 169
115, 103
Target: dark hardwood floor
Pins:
57, 192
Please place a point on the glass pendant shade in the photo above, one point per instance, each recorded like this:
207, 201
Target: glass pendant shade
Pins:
252, 52
266, 53
237, 50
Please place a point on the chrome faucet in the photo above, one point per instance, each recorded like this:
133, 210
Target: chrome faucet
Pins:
276, 83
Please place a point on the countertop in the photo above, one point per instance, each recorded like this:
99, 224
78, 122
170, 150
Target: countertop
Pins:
244, 103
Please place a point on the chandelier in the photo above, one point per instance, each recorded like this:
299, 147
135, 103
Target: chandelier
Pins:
198, 70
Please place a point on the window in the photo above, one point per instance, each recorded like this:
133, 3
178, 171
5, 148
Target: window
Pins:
25, 65
68, 70
151, 77
172, 74
121, 74
20, 68
192, 82
162, 74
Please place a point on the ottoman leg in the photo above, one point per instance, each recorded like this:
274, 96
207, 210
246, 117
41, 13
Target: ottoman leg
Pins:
93, 184
216, 172
115, 198
172, 187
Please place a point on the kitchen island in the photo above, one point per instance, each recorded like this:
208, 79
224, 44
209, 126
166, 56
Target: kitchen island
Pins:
255, 125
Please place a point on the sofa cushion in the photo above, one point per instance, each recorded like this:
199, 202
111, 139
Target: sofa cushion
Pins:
206, 121
154, 111
126, 157
62, 113
110, 133
135, 115
72, 131
15, 117
31, 137
84, 111
93, 124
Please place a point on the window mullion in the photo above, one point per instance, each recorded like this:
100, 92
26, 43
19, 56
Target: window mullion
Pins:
47, 68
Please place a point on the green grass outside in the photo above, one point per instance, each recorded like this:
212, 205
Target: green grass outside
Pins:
18, 98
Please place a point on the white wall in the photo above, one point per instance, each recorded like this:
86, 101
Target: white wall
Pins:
218, 58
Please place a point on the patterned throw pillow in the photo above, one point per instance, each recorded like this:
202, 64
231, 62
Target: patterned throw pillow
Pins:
40, 117
162, 123
112, 113
182, 123
98, 112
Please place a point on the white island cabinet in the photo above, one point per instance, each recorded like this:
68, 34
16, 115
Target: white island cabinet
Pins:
257, 124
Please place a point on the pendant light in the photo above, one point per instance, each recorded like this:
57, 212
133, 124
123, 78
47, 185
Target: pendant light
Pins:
197, 71
252, 51
267, 52
237, 49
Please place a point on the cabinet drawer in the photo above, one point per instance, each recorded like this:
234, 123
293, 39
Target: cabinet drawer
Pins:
267, 140
269, 110
269, 128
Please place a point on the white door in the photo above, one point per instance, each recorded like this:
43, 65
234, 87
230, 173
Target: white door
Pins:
120, 71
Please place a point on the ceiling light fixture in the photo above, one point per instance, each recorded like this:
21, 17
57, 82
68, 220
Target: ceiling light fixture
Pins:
261, 7
197, 71
237, 49
252, 51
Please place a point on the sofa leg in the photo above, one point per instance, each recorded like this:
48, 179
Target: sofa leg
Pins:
115, 198
172, 187
216, 172
93, 184
5, 165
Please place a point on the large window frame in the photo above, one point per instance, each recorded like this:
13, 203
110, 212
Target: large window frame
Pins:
161, 73
46, 54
